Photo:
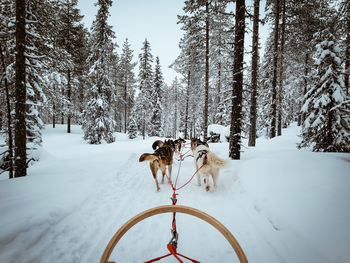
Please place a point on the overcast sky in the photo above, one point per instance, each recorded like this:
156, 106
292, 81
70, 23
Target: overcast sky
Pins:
155, 20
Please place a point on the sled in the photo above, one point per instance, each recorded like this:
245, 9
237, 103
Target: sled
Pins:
174, 209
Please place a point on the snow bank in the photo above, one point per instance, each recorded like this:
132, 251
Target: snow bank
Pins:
282, 204
219, 129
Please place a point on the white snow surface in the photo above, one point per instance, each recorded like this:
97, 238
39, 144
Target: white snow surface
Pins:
281, 204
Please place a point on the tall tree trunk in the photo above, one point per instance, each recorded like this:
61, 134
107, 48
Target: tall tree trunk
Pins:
69, 99
20, 107
306, 73
255, 57
187, 98
175, 118
274, 79
125, 105
54, 115
347, 53
9, 119
62, 109
218, 91
280, 85
236, 114
205, 125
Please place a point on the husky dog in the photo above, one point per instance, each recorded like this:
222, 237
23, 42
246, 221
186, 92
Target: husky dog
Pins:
178, 144
210, 164
195, 142
163, 154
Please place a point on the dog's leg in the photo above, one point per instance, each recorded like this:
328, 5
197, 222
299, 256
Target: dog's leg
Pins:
169, 169
154, 170
207, 187
163, 174
215, 175
198, 179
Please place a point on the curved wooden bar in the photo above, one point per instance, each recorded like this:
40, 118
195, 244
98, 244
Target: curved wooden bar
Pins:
167, 209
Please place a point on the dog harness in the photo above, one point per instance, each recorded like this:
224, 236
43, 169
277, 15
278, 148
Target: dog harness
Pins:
200, 155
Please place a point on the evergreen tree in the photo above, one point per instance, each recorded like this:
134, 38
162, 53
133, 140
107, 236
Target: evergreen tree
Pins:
144, 99
97, 123
127, 80
156, 121
70, 39
132, 126
327, 124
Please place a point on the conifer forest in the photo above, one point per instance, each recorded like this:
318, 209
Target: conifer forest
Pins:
55, 71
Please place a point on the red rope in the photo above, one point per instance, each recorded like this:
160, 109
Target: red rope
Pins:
172, 245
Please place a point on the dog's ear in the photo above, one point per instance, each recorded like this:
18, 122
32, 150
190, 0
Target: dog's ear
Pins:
173, 144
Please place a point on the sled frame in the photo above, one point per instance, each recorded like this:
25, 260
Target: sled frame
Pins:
168, 209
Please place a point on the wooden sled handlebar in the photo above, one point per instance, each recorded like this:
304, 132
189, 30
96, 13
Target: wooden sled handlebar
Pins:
167, 209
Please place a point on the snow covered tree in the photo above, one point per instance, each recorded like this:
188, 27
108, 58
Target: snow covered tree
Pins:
70, 39
98, 123
327, 124
132, 126
127, 80
144, 102
156, 120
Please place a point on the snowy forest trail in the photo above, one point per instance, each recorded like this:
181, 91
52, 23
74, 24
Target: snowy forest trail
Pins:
279, 205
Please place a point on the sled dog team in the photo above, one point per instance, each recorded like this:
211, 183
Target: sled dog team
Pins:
205, 160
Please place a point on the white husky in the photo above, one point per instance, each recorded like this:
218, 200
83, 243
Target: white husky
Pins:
209, 164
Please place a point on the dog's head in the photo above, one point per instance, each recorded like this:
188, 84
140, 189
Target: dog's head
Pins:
195, 142
178, 143
169, 143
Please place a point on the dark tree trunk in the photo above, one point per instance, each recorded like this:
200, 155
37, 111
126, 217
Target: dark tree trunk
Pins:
125, 106
205, 125
306, 72
175, 118
62, 109
280, 86
347, 54
255, 57
69, 99
219, 91
236, 114
54, 115
187, 98
9, 119
20, 107
274, 79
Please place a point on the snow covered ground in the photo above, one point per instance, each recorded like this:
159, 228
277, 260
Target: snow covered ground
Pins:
281, 204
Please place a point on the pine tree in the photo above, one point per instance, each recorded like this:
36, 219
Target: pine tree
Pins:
70, 33
98, 124
144, 101
127, 80
132, 126
327, 124
156, 120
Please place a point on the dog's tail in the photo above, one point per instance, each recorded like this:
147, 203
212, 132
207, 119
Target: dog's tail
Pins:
157, 143
148, 157
217, 161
